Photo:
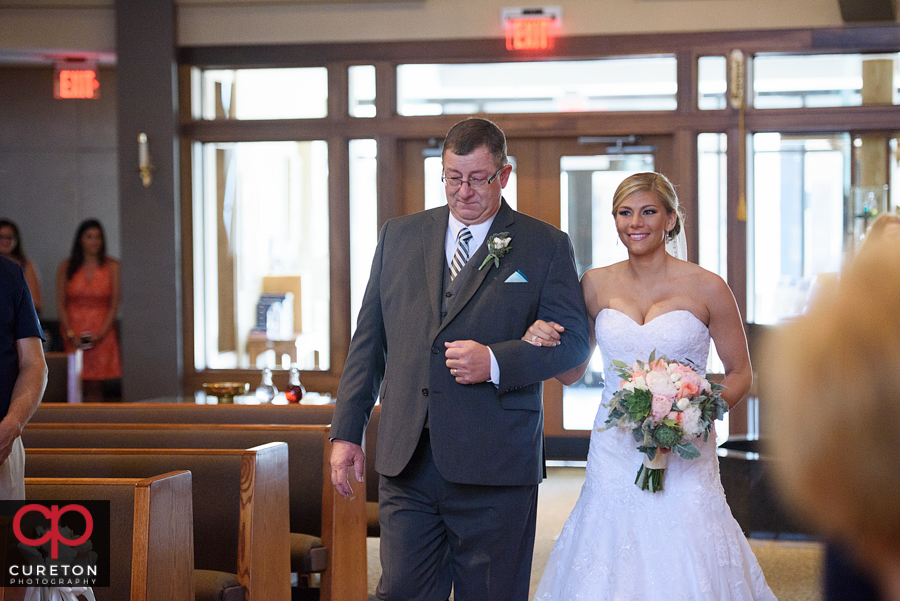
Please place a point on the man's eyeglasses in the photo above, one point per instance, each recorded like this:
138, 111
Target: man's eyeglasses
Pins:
476, 183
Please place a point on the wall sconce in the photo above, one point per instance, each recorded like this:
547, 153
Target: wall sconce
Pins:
145, 167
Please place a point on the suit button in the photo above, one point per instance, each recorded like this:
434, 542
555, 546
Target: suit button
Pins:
424, 392
435, 350
448, 294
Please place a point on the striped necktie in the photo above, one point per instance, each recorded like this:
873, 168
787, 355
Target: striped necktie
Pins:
462, 252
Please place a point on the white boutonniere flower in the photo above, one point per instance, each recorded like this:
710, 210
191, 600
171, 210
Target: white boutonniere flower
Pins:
498, 245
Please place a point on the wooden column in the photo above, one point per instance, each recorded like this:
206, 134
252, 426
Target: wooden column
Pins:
877, 88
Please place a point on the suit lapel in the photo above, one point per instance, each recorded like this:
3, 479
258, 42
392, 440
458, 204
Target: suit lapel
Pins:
505, 218
434, 235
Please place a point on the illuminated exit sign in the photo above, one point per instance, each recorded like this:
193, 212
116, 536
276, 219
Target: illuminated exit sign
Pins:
75, 80
531, 28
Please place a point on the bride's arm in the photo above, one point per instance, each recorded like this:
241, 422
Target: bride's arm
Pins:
727, 330
542, 333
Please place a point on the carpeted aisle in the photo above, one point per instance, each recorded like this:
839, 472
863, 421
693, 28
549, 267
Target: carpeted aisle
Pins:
792, 569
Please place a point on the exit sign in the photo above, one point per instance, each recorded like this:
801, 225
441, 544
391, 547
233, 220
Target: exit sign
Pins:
531, 28
75, 80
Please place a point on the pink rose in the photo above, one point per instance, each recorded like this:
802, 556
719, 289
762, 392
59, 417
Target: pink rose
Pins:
688, 375
687, 391
660, 407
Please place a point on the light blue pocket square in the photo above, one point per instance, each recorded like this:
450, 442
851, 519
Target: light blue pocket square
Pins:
517, 278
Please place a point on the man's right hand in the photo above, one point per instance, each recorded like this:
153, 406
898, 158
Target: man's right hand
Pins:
345, 455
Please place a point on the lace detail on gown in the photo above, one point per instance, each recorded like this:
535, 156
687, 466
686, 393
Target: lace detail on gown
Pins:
624, 544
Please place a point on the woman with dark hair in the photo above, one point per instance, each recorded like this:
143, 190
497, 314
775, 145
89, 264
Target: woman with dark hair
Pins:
11, 248
87, 298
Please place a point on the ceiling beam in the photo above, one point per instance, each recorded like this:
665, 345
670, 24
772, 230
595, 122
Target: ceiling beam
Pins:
867, 11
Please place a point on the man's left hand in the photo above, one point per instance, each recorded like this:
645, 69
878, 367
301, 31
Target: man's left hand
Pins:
469, 362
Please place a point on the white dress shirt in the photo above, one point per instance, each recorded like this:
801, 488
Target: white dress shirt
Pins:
479, 232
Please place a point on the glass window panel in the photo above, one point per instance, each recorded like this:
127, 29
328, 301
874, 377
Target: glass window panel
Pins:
796, 220
815, 81
362, 90
363, 219
435, 195
261, 233
712, 217
712, 201
711, 83
264, 93
587, 185
622, 84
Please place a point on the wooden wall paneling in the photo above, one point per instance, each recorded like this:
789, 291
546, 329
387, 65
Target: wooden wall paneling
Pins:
339, 251
548, 152
412, 176
385, 90
525, 152
338, 86
389, 174
737, 230
685, 170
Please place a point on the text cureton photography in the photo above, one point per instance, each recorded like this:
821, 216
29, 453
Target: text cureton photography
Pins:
55, 543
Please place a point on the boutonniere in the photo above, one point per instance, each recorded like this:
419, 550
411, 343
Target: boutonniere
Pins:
498, 245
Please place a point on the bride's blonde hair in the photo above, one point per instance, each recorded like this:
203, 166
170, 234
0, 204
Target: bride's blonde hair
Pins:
650, 182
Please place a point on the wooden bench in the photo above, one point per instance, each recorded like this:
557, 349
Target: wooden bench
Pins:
181, 413
190, 413
151, 536
315, 508
240, 508
63, 377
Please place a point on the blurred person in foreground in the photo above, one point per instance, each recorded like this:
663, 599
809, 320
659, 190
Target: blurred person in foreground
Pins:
87, 299
833, 380
11, 248
886, 226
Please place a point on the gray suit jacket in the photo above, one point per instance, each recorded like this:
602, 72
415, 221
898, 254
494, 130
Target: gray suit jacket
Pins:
480, 433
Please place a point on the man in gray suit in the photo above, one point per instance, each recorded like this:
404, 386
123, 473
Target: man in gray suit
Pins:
451, 292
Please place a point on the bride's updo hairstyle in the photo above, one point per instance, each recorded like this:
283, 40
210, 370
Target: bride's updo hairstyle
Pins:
650, 182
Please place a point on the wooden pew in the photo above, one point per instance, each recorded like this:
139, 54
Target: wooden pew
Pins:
63, 377
181, 413
191, 413
151, 534
240, 508
315, 508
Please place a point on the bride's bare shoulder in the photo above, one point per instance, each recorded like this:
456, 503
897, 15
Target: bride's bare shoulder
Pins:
597, 285
599, 276
708, 284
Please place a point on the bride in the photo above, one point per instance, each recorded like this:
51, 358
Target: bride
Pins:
620, 542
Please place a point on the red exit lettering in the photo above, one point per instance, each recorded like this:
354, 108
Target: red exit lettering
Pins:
77, 83
529, 34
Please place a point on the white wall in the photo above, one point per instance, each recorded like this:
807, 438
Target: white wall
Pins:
88, 25
459, 19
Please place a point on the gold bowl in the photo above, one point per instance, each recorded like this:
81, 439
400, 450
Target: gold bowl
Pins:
225, 391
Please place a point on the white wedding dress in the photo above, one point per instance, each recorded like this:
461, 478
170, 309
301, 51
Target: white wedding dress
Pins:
622, 543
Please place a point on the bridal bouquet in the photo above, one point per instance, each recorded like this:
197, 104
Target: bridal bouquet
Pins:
665, 404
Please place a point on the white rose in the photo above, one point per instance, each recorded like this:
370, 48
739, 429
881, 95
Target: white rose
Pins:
683, 404
675, 376
640, 383
692, 424
659, 383
626, 385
